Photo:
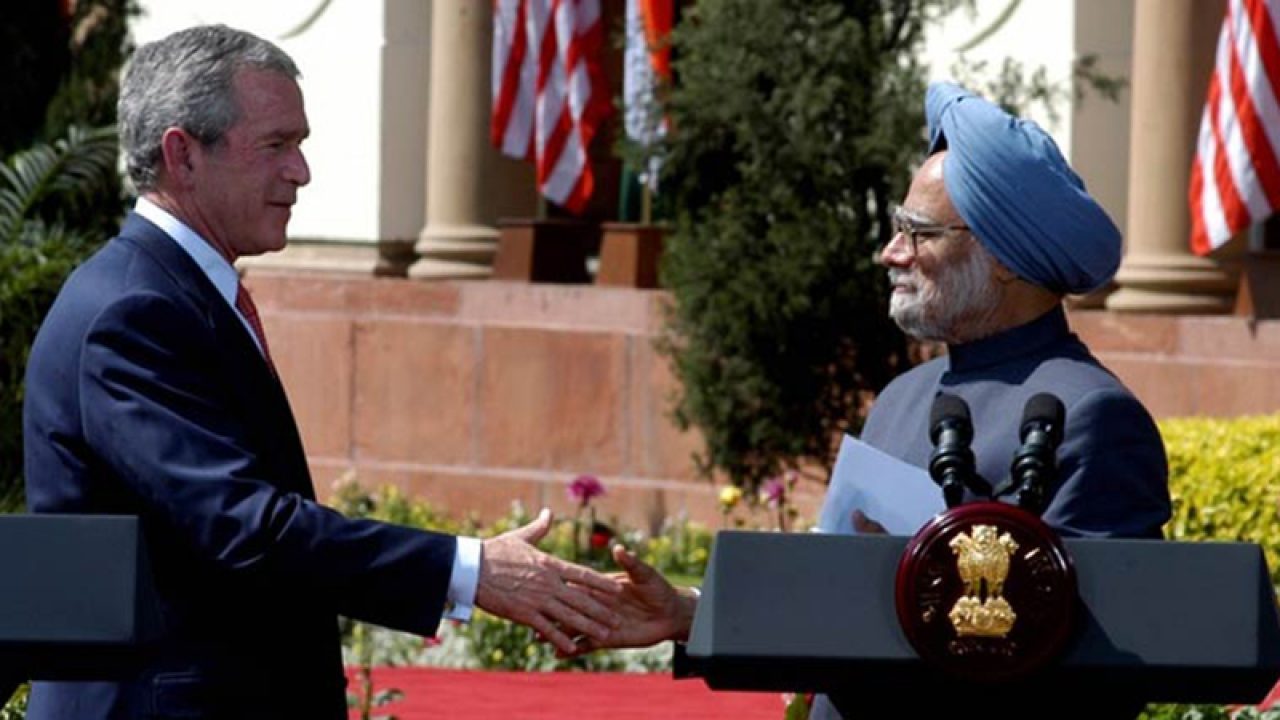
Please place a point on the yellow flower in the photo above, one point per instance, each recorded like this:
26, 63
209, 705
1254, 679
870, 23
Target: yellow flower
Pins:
530, 651
730, 496
497, 655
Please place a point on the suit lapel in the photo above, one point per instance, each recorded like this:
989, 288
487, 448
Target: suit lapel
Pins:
250, 375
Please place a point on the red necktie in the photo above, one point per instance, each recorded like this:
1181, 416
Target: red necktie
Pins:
244, 303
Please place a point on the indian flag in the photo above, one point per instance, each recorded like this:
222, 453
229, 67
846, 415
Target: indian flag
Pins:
647, 64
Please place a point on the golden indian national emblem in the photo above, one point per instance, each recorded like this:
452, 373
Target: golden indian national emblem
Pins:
982, 559
962, 576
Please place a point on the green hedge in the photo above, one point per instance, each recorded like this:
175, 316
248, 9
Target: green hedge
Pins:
1224, 476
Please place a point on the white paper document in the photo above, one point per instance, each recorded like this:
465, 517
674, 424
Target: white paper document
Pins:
898, 495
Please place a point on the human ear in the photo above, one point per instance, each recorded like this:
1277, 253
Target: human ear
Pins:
178, 155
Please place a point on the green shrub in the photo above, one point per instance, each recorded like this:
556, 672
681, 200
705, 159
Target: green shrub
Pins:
1224, 476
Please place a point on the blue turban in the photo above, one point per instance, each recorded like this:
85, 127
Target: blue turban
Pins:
1008, 180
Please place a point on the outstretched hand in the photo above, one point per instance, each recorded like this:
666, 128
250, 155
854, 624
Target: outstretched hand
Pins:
557, 599
652, 609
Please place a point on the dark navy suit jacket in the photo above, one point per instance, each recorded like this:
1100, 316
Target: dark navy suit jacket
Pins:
146, 395
1112, 474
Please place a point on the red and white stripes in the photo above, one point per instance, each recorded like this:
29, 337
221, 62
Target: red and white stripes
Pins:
1235, 179
549, 91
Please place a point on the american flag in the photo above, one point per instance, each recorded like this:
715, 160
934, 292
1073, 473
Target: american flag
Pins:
1235, 179
549, 91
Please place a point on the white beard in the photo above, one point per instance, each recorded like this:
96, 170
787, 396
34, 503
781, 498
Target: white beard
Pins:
956, 306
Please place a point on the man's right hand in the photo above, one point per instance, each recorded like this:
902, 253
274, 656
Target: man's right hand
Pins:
558, 599
651, 608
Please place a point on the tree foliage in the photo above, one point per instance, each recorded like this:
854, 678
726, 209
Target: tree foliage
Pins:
46, 188
47, 221
794, 127
61, 194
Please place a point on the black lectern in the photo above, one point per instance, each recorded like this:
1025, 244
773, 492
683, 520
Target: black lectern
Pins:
1156, 622
76, 600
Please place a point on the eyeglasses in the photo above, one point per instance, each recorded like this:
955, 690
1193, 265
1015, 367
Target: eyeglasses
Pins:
914, 231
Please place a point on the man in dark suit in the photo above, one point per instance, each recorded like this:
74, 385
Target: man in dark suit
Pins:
150, 392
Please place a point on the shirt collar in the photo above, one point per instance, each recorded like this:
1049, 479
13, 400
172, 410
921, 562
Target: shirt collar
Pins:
221, 273
1002, 347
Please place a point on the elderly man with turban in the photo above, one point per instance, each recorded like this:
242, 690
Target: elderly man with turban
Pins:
995, 230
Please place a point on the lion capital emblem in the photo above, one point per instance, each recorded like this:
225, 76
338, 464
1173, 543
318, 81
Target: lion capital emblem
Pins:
982, 559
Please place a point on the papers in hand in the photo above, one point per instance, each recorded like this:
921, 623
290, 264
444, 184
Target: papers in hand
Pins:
898, 495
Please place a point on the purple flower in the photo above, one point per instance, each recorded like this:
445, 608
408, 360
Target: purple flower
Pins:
774, 491
584, 488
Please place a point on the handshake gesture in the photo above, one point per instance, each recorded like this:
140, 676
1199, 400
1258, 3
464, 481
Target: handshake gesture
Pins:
575, 608
558, 599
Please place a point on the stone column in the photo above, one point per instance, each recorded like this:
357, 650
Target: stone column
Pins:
1173, 48
459, 239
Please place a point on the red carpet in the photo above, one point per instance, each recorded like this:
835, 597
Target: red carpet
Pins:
434, 694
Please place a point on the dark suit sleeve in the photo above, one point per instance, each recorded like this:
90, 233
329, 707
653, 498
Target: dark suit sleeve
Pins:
156, 408
1115, 480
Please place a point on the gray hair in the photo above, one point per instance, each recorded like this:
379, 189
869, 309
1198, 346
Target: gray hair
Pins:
185, 81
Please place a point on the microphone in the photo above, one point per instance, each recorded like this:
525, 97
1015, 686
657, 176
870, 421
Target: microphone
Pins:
1035, 466
951, 464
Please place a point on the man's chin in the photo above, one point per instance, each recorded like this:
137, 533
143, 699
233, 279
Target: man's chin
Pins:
267, 246
903, 307
914, 325
905, 321
278, 239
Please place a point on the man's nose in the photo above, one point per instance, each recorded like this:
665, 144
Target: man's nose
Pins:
896, 252
297, 171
